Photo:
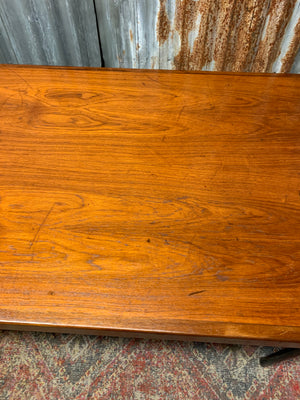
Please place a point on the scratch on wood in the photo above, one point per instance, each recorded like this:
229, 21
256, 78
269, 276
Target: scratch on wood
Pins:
159, 155
283, 333
41, 226
179, 115
19, 76
6, 101
92, 260
217, 170
222, 278
198, 292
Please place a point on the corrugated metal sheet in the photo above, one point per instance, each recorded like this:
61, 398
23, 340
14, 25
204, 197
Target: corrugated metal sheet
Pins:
51, 32
217, 35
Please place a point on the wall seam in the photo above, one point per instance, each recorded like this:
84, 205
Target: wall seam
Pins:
98, 35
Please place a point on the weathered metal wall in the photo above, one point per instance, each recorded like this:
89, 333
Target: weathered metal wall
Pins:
51, 32
218, 35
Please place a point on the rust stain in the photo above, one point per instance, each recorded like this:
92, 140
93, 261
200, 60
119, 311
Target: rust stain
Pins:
163, 23
241, 36
185, 20
289, 58
247, 26
279, 14
131, 35
223, 32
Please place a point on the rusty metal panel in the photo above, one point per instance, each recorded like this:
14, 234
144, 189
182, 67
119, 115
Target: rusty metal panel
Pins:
296, 65
216, 35
51, 32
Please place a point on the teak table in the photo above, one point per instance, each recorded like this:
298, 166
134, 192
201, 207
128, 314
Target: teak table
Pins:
150, 203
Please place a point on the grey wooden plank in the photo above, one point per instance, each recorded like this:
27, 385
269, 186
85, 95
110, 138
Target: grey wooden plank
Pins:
51, 32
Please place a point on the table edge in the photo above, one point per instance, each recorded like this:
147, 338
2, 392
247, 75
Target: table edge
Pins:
285, 339
153, 71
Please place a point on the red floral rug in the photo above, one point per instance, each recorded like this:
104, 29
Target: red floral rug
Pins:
72, 367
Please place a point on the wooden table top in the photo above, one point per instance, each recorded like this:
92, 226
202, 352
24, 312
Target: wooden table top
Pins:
150, 203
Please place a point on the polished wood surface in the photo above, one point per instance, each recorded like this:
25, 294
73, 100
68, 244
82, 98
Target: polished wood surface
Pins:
148, 202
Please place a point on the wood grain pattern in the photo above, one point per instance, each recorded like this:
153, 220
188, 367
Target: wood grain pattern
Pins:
147, 202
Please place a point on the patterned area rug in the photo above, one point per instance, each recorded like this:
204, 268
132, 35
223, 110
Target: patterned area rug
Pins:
38, 366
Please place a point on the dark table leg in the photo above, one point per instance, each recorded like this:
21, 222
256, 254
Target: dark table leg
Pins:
279, 356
